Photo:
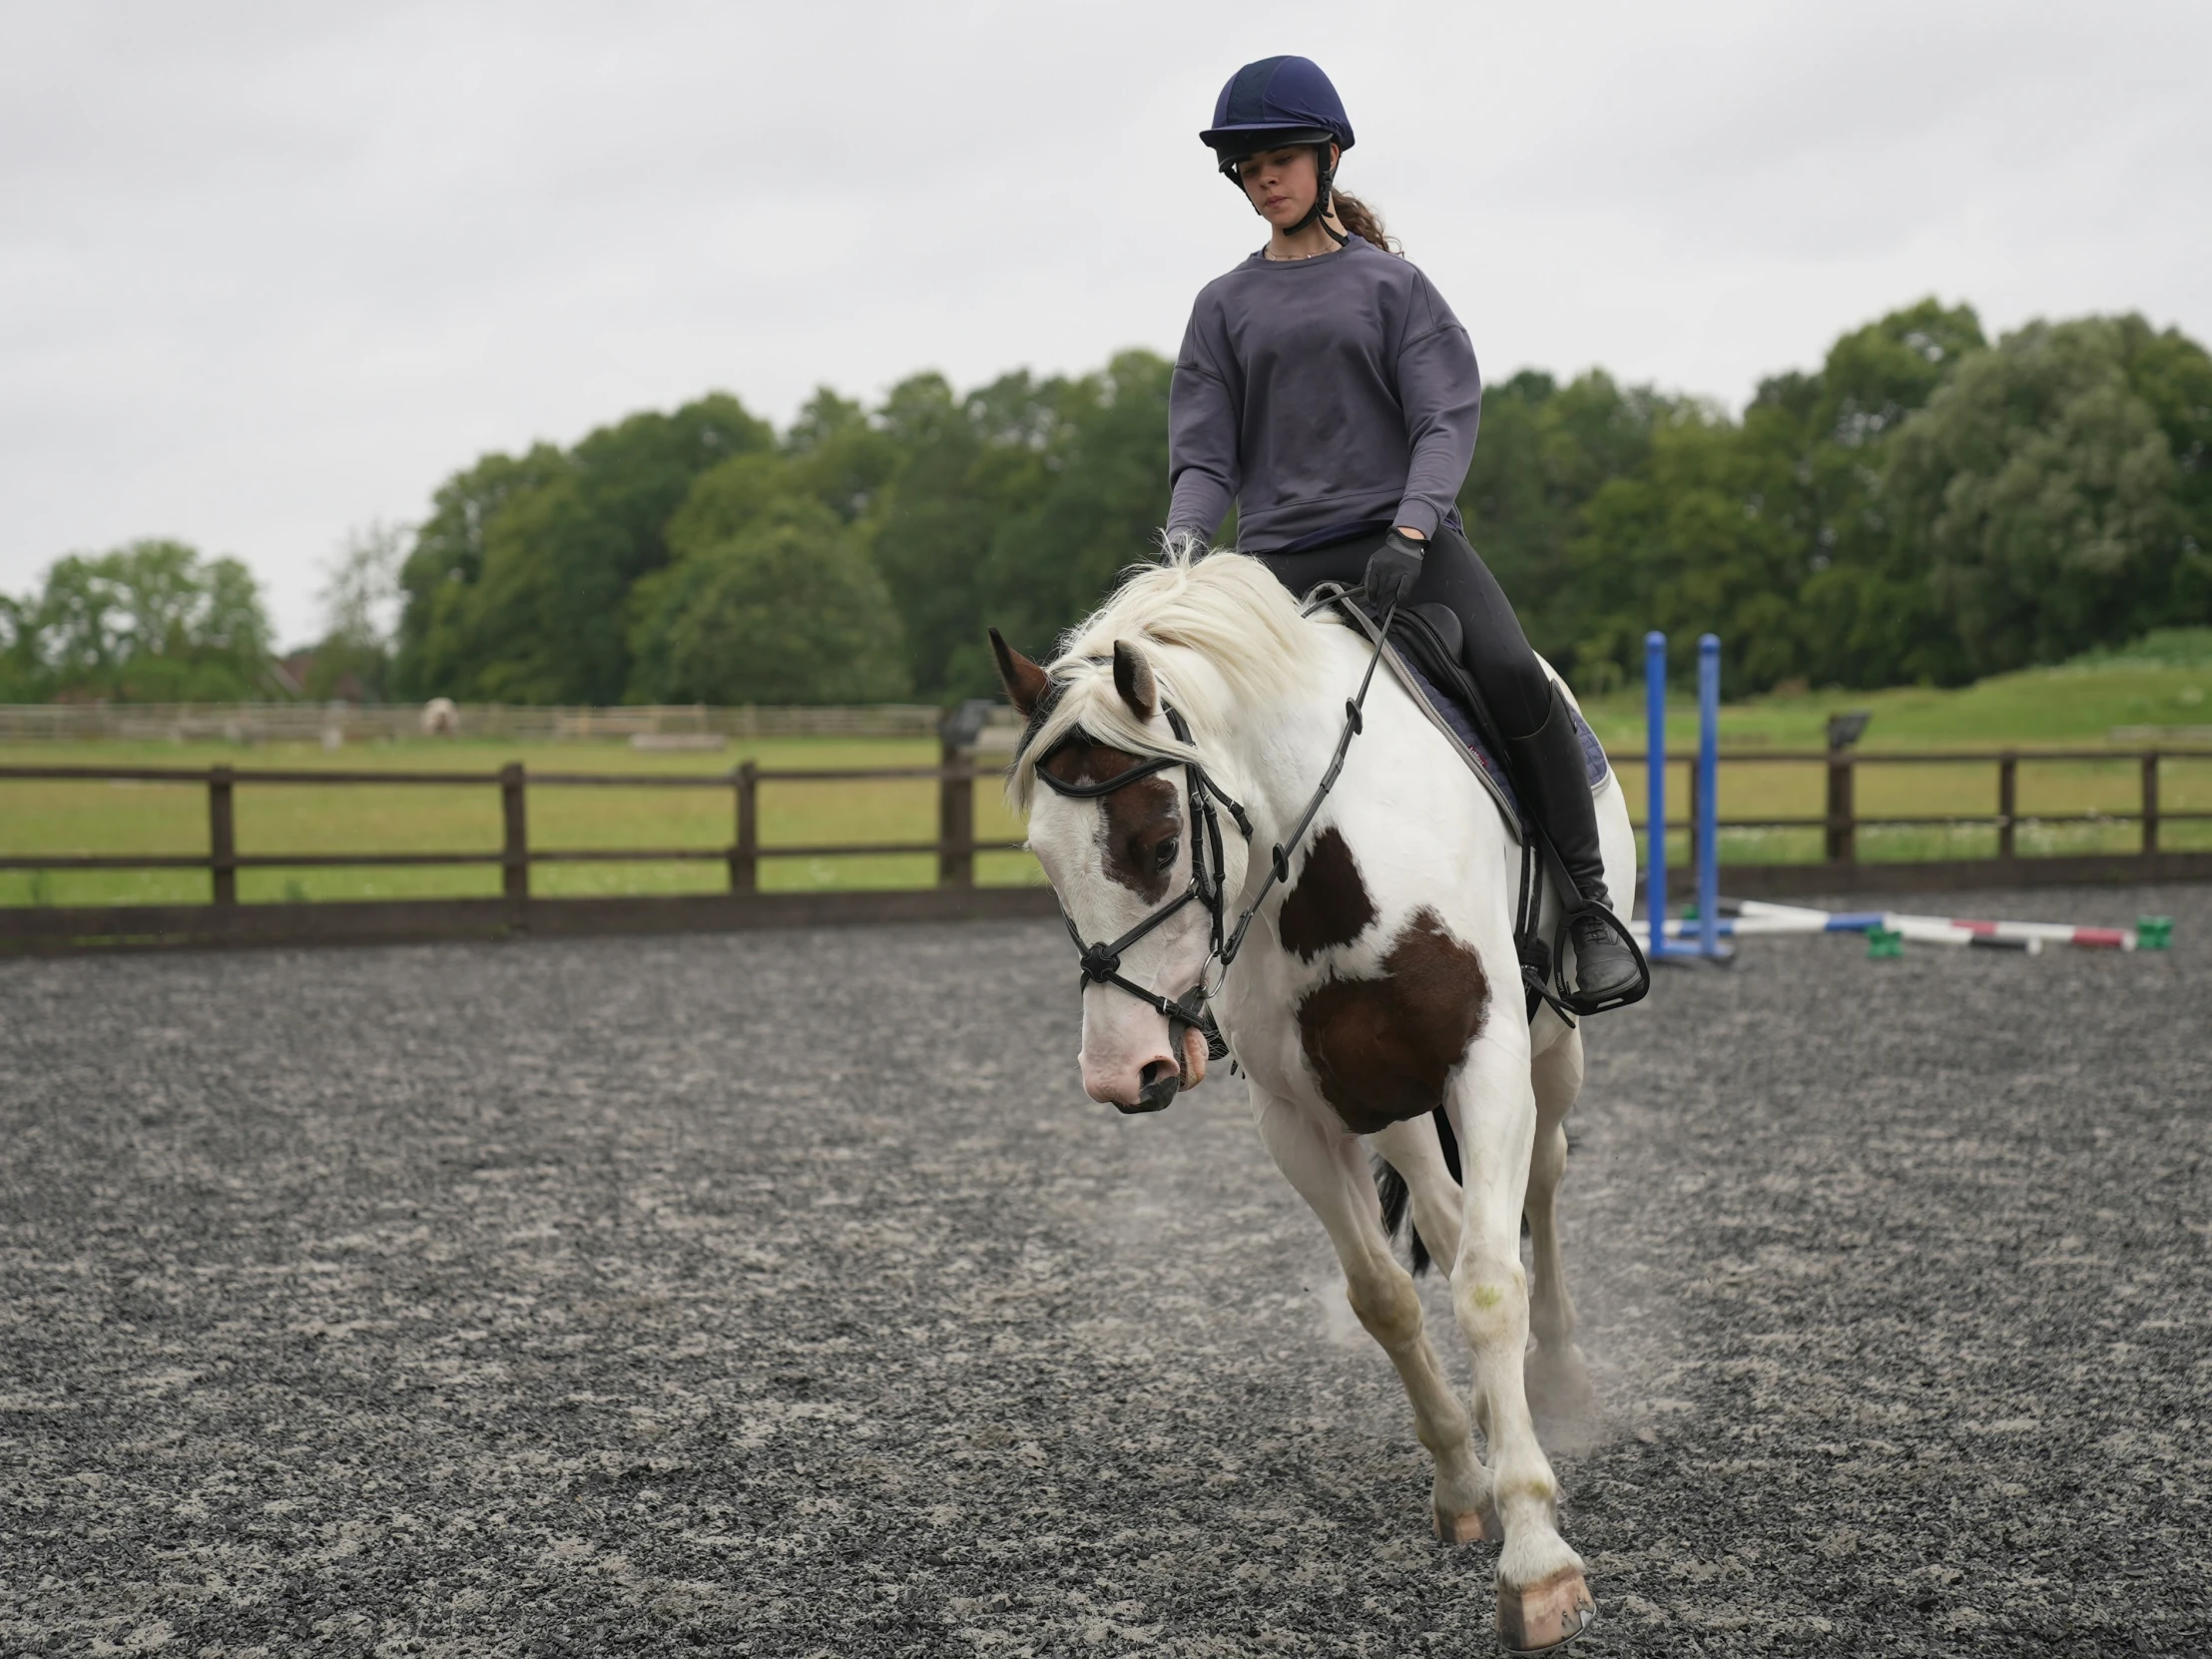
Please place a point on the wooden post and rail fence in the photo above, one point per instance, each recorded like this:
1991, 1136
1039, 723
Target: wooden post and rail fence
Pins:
956, 894
1839, 869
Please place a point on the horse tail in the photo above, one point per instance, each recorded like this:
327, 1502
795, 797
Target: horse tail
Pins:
1391, 1188
1451, 1144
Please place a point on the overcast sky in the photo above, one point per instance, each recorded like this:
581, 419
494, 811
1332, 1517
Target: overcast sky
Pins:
271, 271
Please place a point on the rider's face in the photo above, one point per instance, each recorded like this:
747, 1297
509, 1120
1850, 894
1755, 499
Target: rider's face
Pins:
1281, 184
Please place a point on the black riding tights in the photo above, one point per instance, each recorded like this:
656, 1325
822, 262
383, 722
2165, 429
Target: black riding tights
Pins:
1496, 652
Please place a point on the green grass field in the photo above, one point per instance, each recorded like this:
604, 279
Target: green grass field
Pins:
2167, 683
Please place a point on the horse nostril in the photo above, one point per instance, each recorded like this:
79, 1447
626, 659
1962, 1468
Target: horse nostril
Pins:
1160, 1079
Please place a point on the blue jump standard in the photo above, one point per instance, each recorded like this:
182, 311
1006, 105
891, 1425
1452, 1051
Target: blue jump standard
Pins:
1707, 946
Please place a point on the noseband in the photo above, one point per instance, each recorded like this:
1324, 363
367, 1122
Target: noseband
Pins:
1100, 964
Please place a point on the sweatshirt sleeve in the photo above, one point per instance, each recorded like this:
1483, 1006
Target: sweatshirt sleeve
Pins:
1201, 438
1440, 388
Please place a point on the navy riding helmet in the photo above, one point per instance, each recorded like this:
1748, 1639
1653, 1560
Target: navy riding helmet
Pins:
1271, 104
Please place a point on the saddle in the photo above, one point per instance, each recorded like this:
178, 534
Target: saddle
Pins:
1422, 651
1422, 655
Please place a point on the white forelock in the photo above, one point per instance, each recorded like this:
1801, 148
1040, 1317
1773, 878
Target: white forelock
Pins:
1226, 609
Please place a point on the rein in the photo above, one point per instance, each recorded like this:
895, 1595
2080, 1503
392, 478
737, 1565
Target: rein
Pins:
1101, 960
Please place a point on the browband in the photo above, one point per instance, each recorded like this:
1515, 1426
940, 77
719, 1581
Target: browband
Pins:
1120, 779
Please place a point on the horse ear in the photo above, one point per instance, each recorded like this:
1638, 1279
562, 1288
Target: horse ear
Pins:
1024, 681
1133, 679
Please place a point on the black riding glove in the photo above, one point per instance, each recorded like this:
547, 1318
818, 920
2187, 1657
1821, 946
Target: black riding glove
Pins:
1393, 569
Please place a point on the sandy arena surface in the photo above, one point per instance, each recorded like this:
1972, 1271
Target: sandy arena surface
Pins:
782, 1295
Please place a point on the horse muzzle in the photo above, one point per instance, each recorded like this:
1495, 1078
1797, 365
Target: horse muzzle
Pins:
1161, 1081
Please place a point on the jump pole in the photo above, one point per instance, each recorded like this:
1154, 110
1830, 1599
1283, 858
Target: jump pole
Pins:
1708, 947
1756, 916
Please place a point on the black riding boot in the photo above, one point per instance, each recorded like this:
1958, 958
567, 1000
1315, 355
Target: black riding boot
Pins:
1547, 764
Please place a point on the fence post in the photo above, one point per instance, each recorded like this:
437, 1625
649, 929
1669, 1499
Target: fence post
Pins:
958, 734
2150, 802
955, 819
745, 858
514, 856
1843, 846
2008, 803
223, 851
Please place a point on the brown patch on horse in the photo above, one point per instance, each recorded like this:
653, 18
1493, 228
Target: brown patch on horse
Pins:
1329, 905
1142, 820
1381, 1048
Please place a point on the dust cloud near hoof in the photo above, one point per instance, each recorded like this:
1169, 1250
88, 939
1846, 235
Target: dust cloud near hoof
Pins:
1569, 1419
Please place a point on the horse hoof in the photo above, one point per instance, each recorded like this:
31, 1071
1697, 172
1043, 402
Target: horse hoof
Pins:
1545, 1615
1472, 1527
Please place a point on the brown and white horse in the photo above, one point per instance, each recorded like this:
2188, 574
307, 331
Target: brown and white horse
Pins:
1380, 983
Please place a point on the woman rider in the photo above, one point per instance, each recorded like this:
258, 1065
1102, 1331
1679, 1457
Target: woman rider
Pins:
1325, 387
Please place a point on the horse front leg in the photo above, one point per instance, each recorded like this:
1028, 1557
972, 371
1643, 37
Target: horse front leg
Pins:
1542, 1599
1325, 1163
1558, 1377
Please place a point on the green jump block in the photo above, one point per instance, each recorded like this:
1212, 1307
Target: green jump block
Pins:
1883, 944
2154, 933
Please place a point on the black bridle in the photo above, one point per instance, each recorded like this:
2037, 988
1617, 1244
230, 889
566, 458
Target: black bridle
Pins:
1101, 962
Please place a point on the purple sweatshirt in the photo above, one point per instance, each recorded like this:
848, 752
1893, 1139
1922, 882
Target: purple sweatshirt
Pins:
1325, 396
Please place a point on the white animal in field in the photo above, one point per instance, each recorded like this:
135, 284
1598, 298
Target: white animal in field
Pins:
441, 719
1379, 985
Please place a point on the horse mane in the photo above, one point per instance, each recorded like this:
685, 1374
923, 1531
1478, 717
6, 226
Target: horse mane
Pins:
1224, 608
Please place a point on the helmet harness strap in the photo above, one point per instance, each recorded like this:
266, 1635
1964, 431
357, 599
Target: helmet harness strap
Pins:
1324, 179
1325, 176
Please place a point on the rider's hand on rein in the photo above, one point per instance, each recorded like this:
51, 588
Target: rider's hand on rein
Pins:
1393, 569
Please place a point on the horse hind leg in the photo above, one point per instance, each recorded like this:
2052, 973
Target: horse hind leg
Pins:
1330, 1173
1558, 1375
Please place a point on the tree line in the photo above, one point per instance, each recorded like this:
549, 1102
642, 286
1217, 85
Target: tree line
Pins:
1923, 507
702, 556
1926, 508
151, 622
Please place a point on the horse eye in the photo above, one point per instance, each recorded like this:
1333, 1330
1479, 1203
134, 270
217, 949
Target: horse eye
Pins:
1168, 849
